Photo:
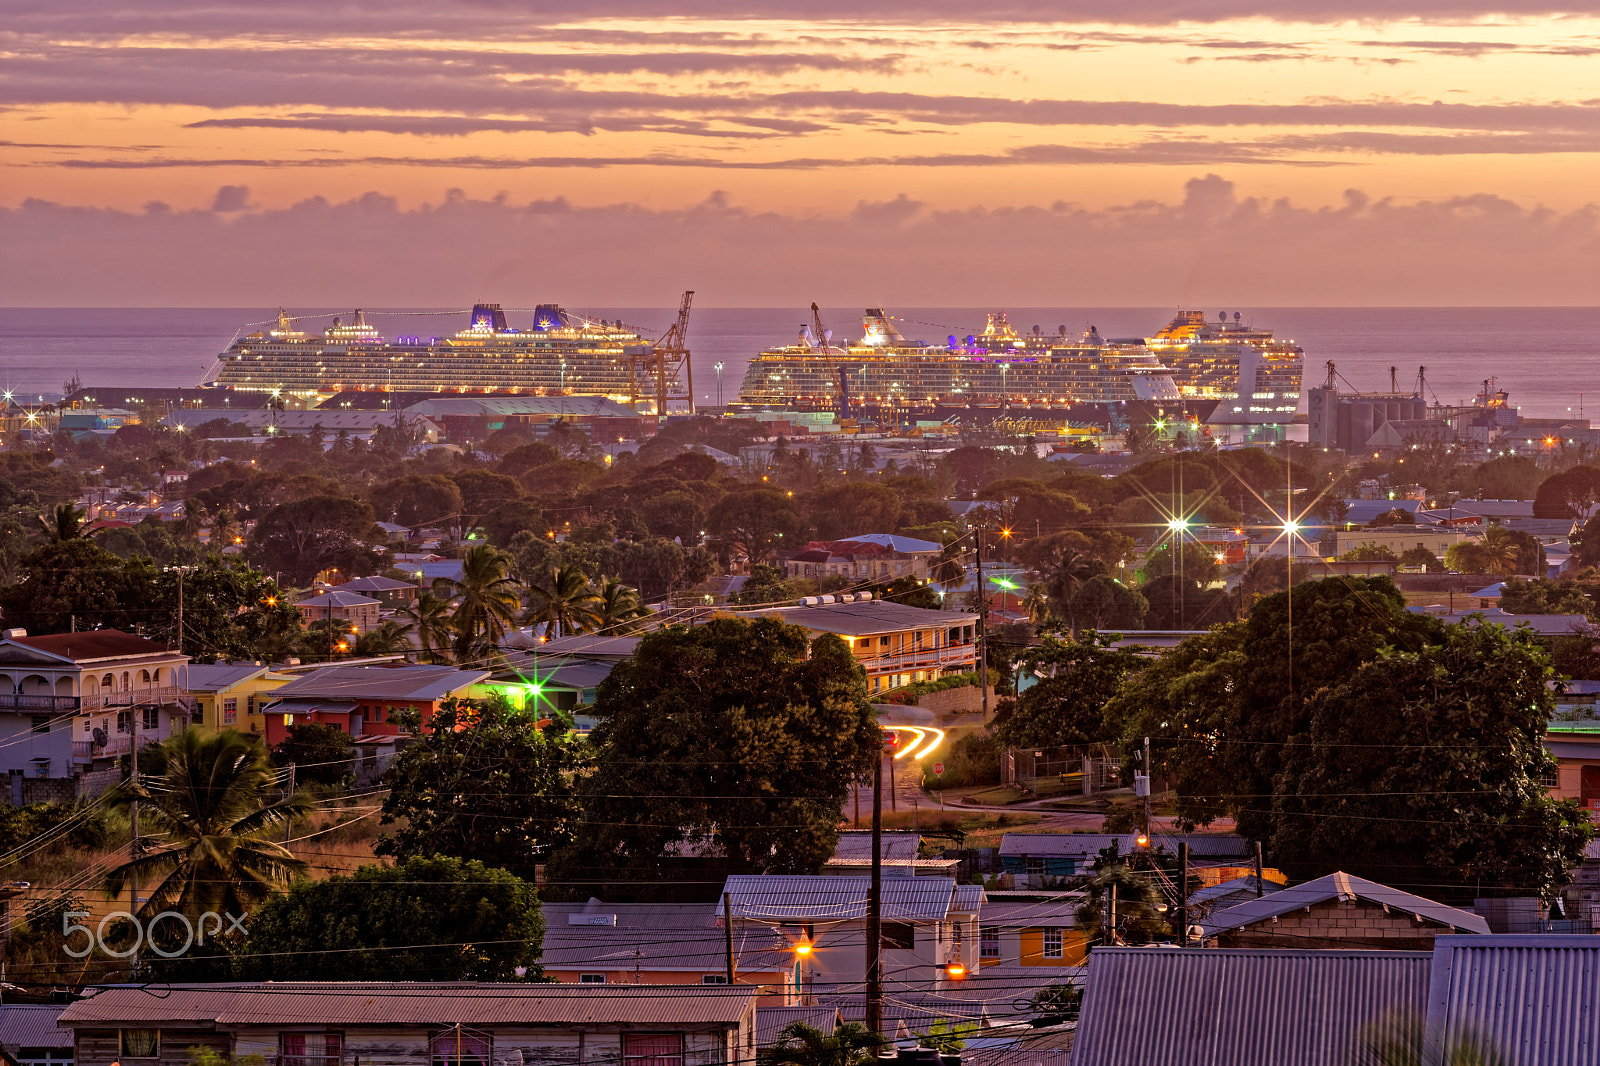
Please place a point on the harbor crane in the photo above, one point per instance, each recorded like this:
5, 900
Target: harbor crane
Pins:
667, 360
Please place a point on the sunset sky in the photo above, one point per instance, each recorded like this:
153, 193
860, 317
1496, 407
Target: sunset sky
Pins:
617, 151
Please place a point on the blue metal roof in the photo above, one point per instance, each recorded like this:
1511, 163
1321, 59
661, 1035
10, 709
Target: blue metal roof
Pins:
1536, 999
1239, 1008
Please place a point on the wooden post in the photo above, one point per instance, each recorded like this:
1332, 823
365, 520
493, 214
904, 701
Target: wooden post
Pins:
875, 906
1259, 892
727, 932
1183, 895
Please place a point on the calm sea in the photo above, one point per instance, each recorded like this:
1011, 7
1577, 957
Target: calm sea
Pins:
1543, 356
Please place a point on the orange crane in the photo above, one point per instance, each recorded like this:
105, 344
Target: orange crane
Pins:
665, 358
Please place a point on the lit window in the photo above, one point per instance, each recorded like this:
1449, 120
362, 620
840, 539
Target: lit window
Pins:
1052, 943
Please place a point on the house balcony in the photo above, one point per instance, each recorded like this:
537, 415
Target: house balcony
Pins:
951, 656
44, 703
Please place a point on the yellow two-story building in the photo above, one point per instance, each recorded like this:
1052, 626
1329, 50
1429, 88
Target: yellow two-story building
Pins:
896, 644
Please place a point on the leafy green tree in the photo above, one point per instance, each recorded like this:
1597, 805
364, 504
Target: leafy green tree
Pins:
1414, 557
1456, 798
850, 1044
764, 585
320, 752
675, 515
230, 611
1374, 553
419, 500
429, 918
303, 537
483, 783
1182, 603
1569, 494
505, 521
1220, 706
853, 509
386, 638
1067, 704
1138, 914
482, 491
1103, 602
208, 809
756, 523
69, 584
1056, 1003
486, 598
1540, 596
1397, 516
737, 738
563, 600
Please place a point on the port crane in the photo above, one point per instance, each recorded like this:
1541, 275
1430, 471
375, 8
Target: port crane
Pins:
824, 338
666, 359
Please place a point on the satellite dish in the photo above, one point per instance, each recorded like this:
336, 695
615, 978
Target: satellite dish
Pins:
100, 737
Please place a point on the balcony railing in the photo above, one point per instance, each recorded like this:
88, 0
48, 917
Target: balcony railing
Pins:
44, 702
922, 658
19, 701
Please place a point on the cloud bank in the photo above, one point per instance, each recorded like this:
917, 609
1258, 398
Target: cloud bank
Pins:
1212, 244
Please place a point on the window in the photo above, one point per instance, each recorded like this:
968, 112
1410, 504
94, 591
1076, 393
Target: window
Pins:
1052, 943
652, 1049
957, 935
902, 935
714, 979
1035, 866
141, 1043
230, 711
41, 723
152, 717
988, 943
591, 978
461, 1046
310, 1049
44, 1056
124, 721
249, 705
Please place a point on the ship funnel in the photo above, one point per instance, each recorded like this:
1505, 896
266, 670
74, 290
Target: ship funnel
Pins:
488, 316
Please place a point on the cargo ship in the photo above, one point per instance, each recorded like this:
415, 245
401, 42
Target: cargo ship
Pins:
560, 352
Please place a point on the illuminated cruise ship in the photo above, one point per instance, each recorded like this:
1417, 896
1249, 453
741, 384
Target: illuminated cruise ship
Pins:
999, 368
1254, 377
561, 352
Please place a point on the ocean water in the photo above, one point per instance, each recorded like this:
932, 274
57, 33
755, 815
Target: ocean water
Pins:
1546, 358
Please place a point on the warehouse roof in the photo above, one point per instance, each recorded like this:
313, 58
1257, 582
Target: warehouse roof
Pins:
382, 682
1532, 997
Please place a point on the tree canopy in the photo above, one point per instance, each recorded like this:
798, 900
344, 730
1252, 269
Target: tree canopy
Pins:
483, 784
1067, 704
429, 918
736, 740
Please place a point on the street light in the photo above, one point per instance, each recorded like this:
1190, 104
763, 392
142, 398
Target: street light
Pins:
718, 369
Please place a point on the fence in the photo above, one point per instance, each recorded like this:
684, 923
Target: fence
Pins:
1067, 770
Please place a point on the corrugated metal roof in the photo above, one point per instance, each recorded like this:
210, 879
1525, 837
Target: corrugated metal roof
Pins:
33, 1025
199, 677
868, 617
770, 1021
404, 1004
1088, 845
1341, 886
1045, 913
337, 598
381, 683
656, 936
968, 899
898, 844
1236, 886
801, 898
1535, 998
1239, 1008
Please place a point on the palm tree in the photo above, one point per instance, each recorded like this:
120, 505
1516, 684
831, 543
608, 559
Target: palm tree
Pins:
387, 638
64, 522
1497, 552
208, 808
618, 609
564, 600
487, 599
430, 620
948, 570
851, 1044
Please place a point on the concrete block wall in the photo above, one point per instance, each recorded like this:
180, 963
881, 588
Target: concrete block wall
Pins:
1338, 924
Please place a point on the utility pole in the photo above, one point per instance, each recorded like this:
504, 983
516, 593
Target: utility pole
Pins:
1259, 892
727, 932
875, 906
180, 610
288, 822
1183, 894
983, 621
1147, 827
